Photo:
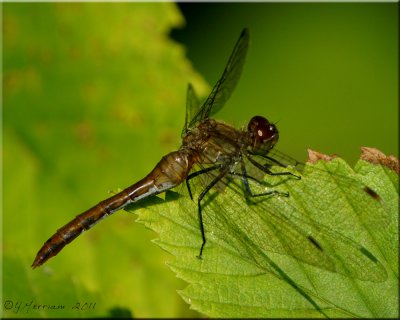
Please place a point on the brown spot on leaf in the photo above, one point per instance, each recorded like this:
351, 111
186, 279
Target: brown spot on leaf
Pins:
315, 243
84, 132
372, 193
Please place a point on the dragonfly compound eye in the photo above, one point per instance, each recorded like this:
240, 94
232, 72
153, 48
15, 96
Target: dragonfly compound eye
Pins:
263, 134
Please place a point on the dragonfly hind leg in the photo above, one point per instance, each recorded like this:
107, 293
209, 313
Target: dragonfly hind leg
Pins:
201, 196
197, 173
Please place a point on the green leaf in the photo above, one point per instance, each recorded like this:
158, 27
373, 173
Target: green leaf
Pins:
327, 249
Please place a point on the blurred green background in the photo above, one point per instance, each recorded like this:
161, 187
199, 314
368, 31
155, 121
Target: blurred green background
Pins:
327, 73
94, 95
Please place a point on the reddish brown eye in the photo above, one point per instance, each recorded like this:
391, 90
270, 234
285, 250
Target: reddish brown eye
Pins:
260, 127
263, 134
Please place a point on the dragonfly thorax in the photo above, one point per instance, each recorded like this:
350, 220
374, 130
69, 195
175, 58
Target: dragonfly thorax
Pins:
263, 135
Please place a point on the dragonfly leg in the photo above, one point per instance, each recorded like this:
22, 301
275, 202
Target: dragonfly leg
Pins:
245, 178
197, 173
273, 160
249, 192
201, 196
269, 172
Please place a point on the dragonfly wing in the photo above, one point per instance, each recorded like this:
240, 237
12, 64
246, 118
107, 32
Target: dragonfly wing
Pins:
325, 248
346, 255
227, 83
192, 106
285, 225
276, 224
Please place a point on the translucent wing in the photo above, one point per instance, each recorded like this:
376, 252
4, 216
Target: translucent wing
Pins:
284, 225
227, 83
192, 106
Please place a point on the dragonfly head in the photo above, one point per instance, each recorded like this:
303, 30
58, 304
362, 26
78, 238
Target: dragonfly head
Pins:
263, 135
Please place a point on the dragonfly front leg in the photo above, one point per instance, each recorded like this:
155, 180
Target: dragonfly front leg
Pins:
269, 172
249, 192
245, 178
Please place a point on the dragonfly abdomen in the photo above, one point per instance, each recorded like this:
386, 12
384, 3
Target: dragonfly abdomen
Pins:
169, 172
80, 223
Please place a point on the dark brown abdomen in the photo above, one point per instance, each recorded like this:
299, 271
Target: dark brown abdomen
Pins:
169, 172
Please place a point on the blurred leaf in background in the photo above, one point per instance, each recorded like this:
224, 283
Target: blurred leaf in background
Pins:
94, 95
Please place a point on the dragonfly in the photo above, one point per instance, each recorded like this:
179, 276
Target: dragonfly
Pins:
216, 150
